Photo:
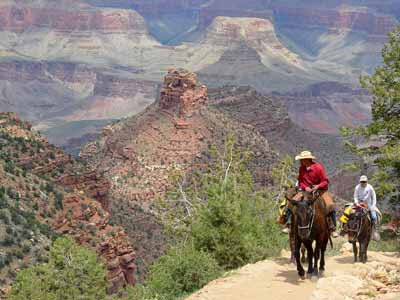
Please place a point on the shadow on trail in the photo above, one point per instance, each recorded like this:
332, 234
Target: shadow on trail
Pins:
289, 276
344, 260
283, 261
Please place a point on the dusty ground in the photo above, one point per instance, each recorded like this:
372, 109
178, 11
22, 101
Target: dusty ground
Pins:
343, 280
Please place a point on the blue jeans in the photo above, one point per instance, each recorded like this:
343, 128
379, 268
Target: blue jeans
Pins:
373, 215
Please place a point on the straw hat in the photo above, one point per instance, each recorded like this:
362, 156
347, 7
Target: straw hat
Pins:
305, 155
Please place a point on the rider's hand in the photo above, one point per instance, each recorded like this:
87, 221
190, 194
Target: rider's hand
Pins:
315, 188
308, 189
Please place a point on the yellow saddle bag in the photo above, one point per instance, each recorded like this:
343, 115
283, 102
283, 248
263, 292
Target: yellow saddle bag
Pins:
346, 214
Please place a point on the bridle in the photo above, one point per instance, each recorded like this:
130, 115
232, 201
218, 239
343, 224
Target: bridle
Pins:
359, 225
310, 224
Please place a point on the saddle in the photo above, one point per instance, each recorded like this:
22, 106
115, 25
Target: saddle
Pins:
361, 209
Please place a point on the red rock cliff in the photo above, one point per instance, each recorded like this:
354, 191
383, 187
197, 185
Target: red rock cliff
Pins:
13, 18
80, 215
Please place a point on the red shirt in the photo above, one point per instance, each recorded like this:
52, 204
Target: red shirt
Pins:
313, 175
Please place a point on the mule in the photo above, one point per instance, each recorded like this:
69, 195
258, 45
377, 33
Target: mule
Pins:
359, 229
310, 225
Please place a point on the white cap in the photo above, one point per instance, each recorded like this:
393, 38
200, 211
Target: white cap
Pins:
363, 178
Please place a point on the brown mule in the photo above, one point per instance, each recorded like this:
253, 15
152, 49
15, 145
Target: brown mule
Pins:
359, 229
310, 225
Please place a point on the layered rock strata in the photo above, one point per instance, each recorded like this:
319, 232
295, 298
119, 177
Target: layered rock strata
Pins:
21, 18
343, 18
79, 215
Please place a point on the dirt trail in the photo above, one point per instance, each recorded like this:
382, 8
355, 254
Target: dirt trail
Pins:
278, 280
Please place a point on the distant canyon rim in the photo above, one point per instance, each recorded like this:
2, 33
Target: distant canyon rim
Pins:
73, 67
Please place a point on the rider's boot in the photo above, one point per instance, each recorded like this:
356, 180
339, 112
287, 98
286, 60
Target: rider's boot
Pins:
375, 231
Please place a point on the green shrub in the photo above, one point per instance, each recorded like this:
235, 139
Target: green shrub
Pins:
5, 216
224, 215
72, 272
233, 233
2, 263
181, 271
8, 241
59, 201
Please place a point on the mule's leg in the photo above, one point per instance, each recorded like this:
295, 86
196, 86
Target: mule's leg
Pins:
292, 243
300, 269
355, 251
366, 250
367, 241
322, 259
303, 254
310, 257
316, 257
363, 250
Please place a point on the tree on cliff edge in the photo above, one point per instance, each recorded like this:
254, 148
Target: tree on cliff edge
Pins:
384, 85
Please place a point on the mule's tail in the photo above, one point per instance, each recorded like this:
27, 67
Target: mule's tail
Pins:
330, 241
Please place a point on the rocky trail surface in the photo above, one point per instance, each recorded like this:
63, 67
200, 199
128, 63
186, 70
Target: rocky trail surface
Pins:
343, 280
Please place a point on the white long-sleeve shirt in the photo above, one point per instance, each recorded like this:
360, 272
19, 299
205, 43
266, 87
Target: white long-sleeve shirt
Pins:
366, 194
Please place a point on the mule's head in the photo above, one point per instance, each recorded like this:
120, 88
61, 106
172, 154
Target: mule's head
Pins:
304, 217
290, 193
353, 226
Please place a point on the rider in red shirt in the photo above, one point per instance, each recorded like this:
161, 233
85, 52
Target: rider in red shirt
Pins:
312, 177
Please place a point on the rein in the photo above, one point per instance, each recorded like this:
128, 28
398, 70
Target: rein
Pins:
358, 229
310, 225
359, 226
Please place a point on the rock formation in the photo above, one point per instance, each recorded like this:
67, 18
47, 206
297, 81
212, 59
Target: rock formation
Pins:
180, 92
141, 154
88, 223
20, 18
332, 104
54, 94
270, 116
343, 18
79, 215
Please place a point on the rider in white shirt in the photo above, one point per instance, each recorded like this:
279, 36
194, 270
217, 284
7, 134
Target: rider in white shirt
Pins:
364, 192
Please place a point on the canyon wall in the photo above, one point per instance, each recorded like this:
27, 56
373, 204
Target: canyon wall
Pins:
356, 19
17, 18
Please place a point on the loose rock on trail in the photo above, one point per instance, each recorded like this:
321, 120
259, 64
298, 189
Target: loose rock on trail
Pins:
277, 279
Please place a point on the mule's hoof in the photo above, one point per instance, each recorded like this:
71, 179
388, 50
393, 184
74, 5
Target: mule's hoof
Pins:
315, 274
302, 277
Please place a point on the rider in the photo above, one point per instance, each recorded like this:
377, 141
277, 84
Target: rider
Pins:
312, 178
365, 193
